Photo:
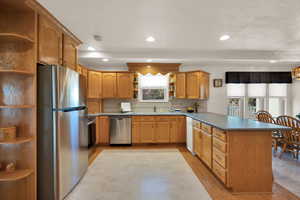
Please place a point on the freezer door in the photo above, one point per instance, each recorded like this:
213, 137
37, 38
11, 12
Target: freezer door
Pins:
66, 83
72, 140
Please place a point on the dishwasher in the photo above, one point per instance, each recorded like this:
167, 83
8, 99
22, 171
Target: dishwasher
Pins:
120, 130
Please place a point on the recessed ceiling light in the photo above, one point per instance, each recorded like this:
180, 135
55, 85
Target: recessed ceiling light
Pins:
150, 39
105, 59
273, 61
90, 48
149, 60
224, 37
148, 66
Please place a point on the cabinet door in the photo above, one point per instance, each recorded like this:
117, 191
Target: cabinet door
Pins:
192, 85
109, 83
207, 148
79, 69
102, 136
181, 129
69, 52
125, 85
180, 85
162, 132
50, 42
204, 86
94, 106
198, 142
136, 132
174, 131
84, 72
147, 132
178, 130
94, 84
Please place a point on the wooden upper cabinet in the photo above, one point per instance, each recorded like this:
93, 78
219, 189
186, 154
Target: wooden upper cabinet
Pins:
162, 132
204, 85
109, 85
193, 85
94, 85
197, 85
180, 85
49, 42
125, 85
69, 52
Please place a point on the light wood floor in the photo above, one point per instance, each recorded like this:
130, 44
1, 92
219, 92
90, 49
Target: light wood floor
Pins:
215, 188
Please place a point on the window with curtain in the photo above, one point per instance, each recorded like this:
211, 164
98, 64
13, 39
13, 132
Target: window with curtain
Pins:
153, 88
245, 100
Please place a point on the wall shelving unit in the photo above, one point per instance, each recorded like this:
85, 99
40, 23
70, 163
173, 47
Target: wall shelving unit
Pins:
18, 98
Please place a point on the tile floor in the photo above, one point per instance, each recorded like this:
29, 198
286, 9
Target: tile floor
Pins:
140, 175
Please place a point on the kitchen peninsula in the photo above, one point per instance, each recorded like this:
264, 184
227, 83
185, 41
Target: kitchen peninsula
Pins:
238, 151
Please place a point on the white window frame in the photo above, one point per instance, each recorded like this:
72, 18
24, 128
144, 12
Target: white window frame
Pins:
242, 104
244, 100
166, 93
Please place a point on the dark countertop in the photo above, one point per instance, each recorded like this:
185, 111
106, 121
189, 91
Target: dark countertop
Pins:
223, 122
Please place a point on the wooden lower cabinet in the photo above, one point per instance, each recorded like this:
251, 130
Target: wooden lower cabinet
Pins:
207, 148
102, 131
162, 132
202, 144
197, 142
135, 132
147, 132
158, 129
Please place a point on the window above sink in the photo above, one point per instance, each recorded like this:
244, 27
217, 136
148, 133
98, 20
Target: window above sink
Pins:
153, 88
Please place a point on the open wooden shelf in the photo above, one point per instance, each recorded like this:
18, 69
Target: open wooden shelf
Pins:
16, 71
16, 175
8, 37
18, 140
17, 106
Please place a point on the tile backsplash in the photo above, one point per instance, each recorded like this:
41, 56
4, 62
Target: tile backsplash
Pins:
113, 105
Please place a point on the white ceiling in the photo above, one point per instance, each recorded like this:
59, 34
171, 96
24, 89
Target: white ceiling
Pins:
185, 31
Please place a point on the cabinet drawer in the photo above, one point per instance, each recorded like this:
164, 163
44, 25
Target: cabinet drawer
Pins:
219, 172
220, 134
219, 157
220, 145
196, 124
206, 128
143, 118
163, 118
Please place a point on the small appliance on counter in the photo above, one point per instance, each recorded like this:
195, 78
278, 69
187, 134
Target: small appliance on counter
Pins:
190, 110
125, 107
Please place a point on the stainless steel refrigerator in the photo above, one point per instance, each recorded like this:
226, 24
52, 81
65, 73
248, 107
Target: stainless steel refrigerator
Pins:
62, 131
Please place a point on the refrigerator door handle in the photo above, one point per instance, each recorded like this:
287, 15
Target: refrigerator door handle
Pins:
71, 109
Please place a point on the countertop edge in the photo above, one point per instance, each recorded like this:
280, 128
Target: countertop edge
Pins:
191, 116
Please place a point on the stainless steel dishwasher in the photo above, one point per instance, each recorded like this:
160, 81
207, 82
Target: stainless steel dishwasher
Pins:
120, 130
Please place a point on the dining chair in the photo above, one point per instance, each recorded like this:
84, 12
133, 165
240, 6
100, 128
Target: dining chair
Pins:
291, 139
266, 117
